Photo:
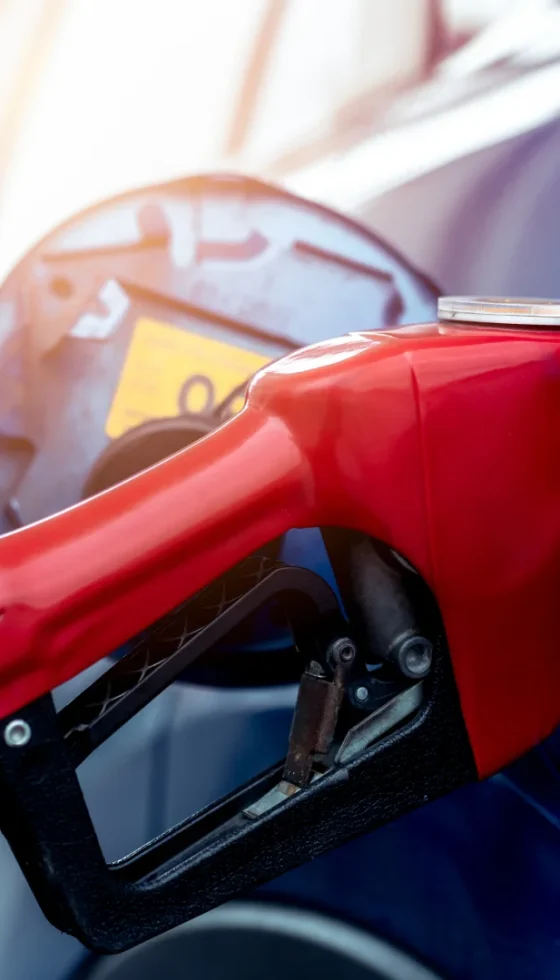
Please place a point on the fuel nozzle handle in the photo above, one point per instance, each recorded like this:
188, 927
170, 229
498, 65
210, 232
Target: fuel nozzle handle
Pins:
439, 441
76, 586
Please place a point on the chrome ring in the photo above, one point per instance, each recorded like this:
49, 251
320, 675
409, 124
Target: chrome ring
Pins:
520, 312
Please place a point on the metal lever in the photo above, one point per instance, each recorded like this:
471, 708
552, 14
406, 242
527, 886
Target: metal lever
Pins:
316, 712
313, 725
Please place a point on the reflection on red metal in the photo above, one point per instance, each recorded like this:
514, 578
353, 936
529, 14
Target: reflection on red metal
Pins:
440, 440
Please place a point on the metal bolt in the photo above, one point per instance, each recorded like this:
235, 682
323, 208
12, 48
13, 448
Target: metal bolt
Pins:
362, 694
415, 657
343, 651
17, 733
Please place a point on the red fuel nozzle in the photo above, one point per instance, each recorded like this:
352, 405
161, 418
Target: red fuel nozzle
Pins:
439, 441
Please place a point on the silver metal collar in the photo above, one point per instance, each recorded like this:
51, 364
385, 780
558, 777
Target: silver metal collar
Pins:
523, 312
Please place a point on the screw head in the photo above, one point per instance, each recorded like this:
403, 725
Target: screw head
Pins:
343, 651
415, 657
17, 733
362, 694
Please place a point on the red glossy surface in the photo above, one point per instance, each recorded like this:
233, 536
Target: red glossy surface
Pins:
442, 441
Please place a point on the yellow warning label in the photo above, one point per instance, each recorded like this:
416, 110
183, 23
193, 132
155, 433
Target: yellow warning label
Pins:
169, 370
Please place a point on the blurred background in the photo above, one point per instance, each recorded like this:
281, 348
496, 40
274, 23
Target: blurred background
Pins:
398, 112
